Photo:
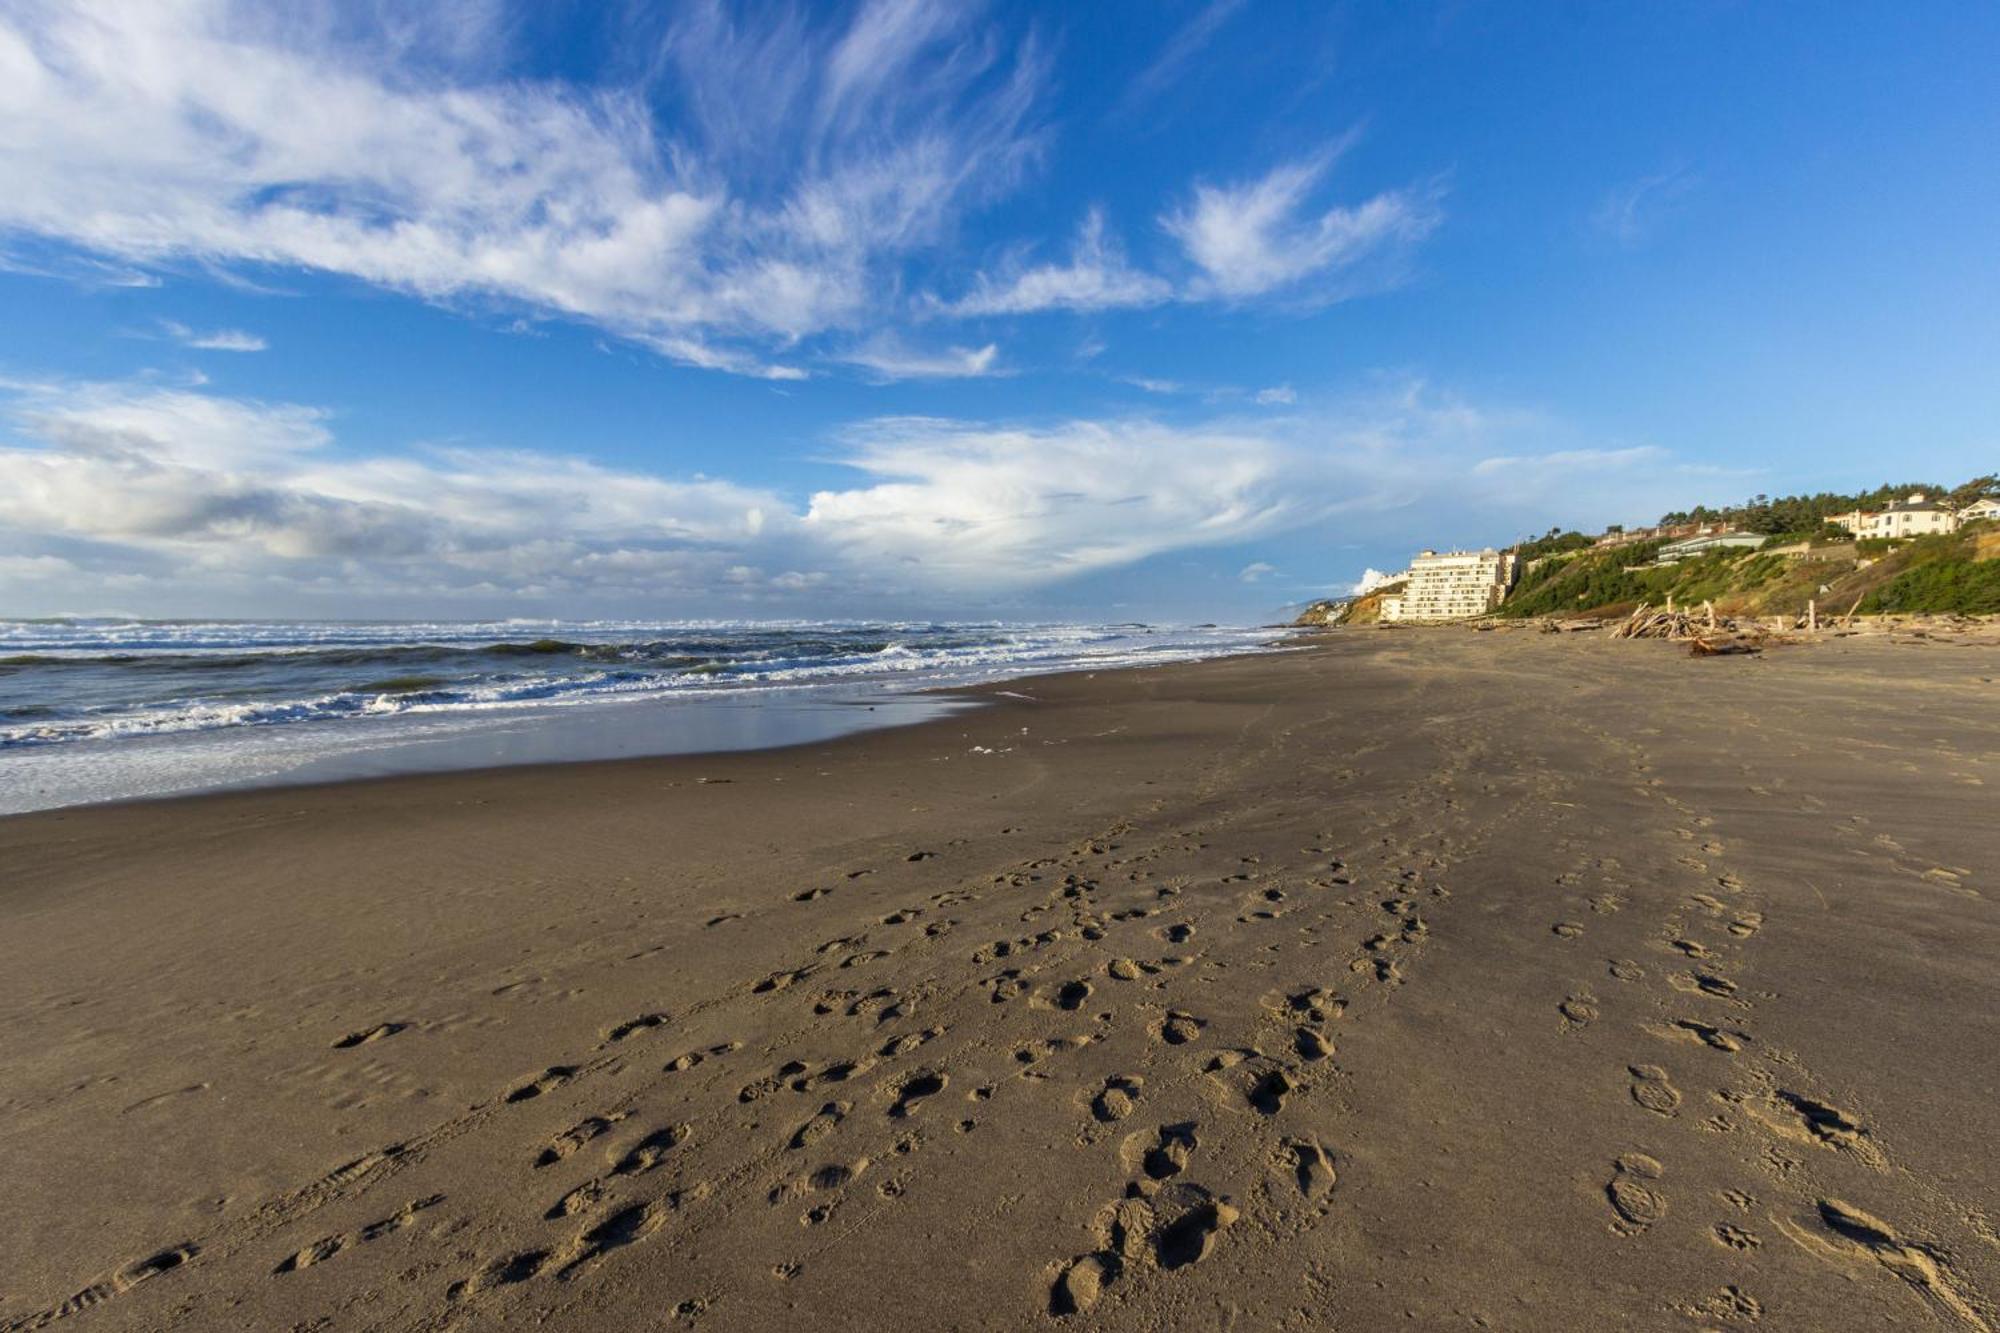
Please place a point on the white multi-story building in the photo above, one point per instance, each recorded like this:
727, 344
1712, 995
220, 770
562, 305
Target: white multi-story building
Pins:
1986, 508
1915, 515
1454, 585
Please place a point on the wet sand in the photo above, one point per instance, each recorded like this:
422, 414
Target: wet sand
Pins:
1434, 980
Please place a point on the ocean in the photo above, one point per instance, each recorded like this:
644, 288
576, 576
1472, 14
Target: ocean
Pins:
98, 710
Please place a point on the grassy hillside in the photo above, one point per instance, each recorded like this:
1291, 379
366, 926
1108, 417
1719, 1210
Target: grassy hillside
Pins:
1955, 573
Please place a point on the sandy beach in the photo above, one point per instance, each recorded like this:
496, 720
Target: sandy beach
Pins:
1414, 979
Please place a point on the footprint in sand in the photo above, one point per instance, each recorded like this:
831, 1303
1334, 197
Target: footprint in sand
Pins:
576, 1136
1117, 1098
547, 1081
1072, 995
1578, 1010
911, 1090
1309, 1164
1637, 1204
367, 1035
1652, 1090
1567, 930
1162, 1154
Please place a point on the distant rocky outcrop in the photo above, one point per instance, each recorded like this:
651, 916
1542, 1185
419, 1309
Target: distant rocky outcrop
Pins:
1326, 611
1363, 610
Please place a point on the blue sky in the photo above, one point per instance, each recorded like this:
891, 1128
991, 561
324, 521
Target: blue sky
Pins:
1134, 310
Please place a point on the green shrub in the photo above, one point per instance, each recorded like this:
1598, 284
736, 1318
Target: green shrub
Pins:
1948, 583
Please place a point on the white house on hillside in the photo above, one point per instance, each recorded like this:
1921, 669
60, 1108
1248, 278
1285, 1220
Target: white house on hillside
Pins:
1915, 515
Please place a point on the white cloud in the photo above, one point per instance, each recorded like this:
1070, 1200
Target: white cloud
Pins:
1259, 236
1097, 277
891, 359
172, 131
1570, 460
1370, 580
219, 340
1255, 571
230, 503
1629, 213
974, 503
1278, 395
1175, 55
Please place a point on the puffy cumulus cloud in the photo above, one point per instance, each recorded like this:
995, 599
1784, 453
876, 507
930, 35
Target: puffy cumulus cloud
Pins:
181, 501
225, 132
1261, 236
974, 504
253, 487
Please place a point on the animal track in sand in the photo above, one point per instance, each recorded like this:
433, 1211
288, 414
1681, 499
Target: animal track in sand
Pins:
1734, 1237
1652, 1090
1637, 1204
367, 1035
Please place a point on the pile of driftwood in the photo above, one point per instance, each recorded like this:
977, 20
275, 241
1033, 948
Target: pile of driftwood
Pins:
1705, 633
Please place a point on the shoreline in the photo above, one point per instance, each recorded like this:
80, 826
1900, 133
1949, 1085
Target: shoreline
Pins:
608, 730
1402, 977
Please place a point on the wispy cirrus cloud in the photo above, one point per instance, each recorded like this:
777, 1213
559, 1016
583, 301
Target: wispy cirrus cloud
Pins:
1629, 213
888, 357
214, 340
1095, 277
1263, 235
1180, 50
1257, 238
165, 133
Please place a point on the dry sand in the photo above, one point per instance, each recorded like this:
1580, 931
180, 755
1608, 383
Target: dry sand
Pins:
1435, 980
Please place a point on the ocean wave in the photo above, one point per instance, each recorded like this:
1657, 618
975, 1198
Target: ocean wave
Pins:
240, 676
